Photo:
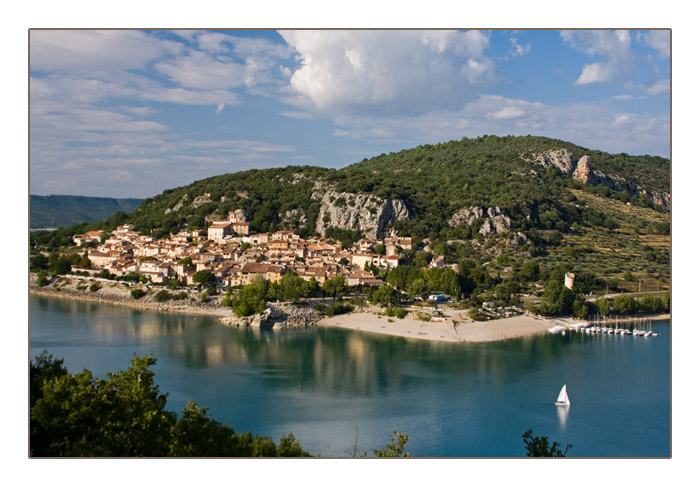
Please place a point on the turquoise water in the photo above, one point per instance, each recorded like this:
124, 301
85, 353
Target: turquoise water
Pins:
327, 385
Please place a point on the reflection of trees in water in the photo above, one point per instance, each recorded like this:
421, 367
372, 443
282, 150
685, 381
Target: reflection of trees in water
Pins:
342, 362
316, 359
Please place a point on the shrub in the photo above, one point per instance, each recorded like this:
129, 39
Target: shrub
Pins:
95, 286
423, 316
337, 308
162, 296
42, 279
137, 293
396, 312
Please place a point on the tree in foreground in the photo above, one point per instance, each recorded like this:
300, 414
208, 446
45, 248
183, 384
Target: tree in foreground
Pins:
538, 446
395, 448
124, 416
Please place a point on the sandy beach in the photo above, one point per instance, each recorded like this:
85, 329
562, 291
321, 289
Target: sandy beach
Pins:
455, 328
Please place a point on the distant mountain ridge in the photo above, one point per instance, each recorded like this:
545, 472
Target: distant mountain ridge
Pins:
55, 211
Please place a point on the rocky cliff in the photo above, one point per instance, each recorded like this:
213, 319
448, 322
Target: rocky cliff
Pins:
494, 221
351, 211
581, 170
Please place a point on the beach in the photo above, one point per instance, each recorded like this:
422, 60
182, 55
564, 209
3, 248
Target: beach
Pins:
455, 327
452, 326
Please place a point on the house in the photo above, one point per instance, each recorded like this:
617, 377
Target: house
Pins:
217, 231
362, 260
391, 261
100, 259
251, 270
240, 228
278, 244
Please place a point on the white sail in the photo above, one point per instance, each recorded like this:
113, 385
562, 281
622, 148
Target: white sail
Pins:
563, 399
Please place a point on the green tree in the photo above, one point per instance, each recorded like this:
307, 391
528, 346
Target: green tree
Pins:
289, 288
625, 304
78, 415
38, 262
383, 295
124, 416
604, 306
42, 278
335, 286
252, 298
538, 446
204, 278
395, 448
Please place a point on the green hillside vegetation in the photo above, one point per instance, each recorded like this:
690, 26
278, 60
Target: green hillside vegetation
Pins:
611, 240
55, 211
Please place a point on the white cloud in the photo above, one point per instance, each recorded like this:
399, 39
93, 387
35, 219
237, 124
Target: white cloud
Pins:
663, 86
200, 71
95, 50
596, 126
388, 71
518, 50
220, 108
614, 46
298, 115
596, 73
657, 39
508, 113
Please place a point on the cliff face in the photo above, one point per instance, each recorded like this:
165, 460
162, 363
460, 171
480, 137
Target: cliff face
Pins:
494, 221
352, 211
581, 170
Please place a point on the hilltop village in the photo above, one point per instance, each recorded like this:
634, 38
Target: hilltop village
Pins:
235, 257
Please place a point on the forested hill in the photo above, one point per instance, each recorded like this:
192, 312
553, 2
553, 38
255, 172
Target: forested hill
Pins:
445, 190
55, 211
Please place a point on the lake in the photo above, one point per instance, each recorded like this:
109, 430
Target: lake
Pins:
330, 386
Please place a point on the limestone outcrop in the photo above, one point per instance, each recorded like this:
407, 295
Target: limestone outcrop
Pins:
277, 315
581, 170
494, 220
352, 211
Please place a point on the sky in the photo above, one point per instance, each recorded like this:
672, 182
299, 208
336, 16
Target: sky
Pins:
130, 113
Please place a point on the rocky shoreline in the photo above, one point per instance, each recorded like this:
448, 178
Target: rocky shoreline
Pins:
276, 315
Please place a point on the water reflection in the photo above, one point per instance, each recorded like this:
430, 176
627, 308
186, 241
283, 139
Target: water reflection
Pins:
563, 414
318, 359
454, 399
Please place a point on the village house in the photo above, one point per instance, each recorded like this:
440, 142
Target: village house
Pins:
218, 230
240, 228
285, 235
271, 272
100, 259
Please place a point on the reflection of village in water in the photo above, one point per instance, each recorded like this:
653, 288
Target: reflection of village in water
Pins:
308, 381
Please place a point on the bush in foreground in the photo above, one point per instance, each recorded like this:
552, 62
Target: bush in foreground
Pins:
124, 416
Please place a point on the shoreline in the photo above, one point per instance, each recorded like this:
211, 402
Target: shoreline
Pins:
126, 301
454, 327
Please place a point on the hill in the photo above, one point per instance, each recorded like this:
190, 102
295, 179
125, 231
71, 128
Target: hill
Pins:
497, 201
55, 211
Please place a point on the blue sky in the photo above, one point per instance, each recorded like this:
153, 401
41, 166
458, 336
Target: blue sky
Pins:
129, 113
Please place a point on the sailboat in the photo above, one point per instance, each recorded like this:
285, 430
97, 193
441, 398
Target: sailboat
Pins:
563, 399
